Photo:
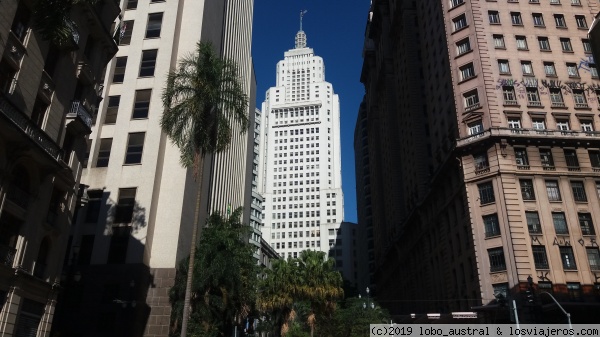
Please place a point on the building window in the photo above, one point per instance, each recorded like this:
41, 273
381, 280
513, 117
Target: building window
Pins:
562, 124
567, 257
117, 253
538, 19
471, 99
135, 147
579, 98
538, 123
572, 70
587, 46
459, 22
594, 158
38, 113
539, 257
454, 3
533, 222
94, 205
547, 159
553, 190
581, 23
131, 4
533, 97
593, 70
499, 41
481, 162
527, 191
560, 223
125, 205
500, 289
463, 46
503, 67
593, 255
112, 109
586, 224
104, 152
148, 63
7, 76
515, 18
514, 122
571, 159
475, 127
154, 25
492, 227
20, 25
556, 97
119, 73
510, 98
544, 43
521, 157
549, 69
559, 20
467, 71
521, 42
496, 256
494, 17
141, 104
565, 44
486, 193
527, 68
125, 33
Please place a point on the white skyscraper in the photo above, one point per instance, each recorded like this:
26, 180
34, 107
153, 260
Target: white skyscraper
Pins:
300, 165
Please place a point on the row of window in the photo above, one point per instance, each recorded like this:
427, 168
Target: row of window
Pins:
549, 69
498, 263
454, 3
132, 4
309, 244
153, 28
547, 159
534, 226
141, 106
460, 22
296, 190
516, 19
296, 234
133, 155
543, 43
296, 182
296, 224
147, 65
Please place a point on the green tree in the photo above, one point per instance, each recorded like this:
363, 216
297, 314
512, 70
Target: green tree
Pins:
52, 19
320, 285
352, 319
224, 286
201, 99
310, 279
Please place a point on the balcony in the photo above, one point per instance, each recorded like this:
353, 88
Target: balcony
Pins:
7, 255
534, 103
15, 50
558, 105
525, 133
581, 106
79, 111
31, 130
510, 102
85, 72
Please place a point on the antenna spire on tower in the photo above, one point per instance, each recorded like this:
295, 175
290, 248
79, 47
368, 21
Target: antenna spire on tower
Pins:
302, 12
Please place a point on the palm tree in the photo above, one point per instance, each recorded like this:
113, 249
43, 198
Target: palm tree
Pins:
321, 285
201, 99
278, 290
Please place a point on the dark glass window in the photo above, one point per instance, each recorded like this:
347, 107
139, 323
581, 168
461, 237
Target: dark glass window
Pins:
142, 103
486, 193
533, 222
586, 224
112, 109
496, 256
119, 241
125, 205
104, 152
125, 33
154, 25
135, 147
148, 62
560, 223
567, 257
120, 65
492, 227
527, 191
578, 191
539, 257
94, 205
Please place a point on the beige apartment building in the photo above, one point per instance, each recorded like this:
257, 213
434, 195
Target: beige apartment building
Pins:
136, 228
491, 175
49, 93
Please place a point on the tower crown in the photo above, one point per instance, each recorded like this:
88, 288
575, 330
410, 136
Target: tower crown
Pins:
301, 36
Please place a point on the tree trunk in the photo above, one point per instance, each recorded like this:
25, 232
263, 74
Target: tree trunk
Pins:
190, 273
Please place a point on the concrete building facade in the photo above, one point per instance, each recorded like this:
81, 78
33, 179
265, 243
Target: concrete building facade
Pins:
497, 161
49, 93
299, 168
136, 227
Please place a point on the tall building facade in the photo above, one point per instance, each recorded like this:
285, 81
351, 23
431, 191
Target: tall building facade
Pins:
137, 224
497, 160
49, 92
299, 171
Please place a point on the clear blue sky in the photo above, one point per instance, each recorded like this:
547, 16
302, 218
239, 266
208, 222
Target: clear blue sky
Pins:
335, 30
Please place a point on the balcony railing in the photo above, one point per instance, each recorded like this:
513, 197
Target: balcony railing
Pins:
510, 102
581, 105
508, 132
7, 255
26, 125
78, 109
558, 104
534, 103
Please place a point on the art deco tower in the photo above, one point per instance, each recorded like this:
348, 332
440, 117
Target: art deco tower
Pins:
300, 166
